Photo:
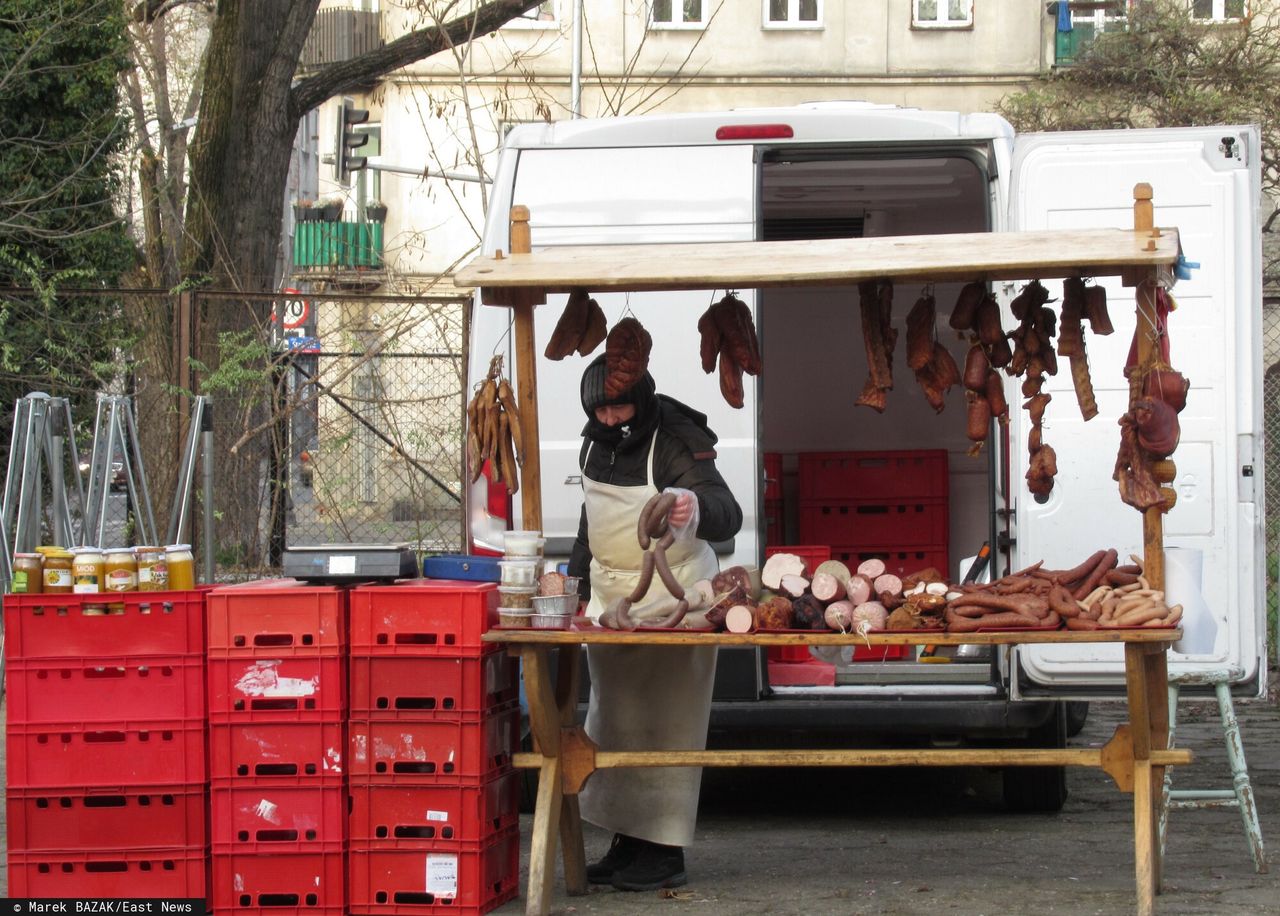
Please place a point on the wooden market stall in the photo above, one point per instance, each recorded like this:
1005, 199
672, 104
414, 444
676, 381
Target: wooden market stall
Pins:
1144, 257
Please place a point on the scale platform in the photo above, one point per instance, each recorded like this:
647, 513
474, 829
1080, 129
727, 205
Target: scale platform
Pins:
346, 563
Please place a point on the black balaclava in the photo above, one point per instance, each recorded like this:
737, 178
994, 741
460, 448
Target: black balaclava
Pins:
641, 394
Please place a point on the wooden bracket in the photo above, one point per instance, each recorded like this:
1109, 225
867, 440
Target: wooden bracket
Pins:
578, 752
1117, 758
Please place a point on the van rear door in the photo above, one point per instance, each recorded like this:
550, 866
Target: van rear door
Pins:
1206, 183
604, 195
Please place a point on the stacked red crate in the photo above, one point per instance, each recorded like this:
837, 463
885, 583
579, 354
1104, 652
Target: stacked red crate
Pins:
105, 743
277, 683
889, 505
774, 507
435, 720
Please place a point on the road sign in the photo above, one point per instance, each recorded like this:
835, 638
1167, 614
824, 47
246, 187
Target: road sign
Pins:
294, 312
298, 344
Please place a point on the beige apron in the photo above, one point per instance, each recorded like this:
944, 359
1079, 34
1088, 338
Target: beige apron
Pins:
643, 697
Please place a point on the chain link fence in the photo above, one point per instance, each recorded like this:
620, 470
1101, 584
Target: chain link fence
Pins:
1271, 458
337, 418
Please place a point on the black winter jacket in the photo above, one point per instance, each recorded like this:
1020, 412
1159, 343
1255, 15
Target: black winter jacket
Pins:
684, 456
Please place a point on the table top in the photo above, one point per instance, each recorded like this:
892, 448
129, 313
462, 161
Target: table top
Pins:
596, 635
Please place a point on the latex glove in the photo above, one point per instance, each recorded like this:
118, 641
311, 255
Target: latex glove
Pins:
683, 517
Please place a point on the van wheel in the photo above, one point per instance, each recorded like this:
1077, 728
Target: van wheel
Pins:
1077, 715
1039, 790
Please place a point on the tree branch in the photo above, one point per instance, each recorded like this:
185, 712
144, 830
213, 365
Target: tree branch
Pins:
359, 71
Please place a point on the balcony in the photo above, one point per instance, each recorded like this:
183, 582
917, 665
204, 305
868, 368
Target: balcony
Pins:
337, 246
338, 35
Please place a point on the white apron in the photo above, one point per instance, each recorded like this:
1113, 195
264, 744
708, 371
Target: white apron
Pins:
643, 697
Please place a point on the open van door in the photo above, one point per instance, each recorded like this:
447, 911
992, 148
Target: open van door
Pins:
1205, 182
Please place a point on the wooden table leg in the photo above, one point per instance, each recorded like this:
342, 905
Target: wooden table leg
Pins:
572, 850
544, 722
1157, 668
1141, 714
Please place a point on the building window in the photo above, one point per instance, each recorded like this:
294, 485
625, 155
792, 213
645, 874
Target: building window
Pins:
942, 14
793, 14
1219, 10
545, 15
677, 14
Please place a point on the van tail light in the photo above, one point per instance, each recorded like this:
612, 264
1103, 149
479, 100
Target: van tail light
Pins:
755, 132
497, 505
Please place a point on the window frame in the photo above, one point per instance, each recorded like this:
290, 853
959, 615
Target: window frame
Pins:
791, 24
940, 24
682, 25
1219, 12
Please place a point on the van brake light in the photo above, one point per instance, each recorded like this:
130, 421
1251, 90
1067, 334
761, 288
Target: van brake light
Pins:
755, 132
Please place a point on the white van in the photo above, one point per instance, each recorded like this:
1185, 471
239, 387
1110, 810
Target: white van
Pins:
829, 170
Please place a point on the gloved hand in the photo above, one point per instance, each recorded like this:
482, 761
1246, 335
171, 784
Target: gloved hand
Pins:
683, 517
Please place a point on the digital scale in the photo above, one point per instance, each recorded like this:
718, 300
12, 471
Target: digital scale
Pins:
346, 563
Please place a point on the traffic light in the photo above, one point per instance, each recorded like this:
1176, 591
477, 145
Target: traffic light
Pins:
349, 139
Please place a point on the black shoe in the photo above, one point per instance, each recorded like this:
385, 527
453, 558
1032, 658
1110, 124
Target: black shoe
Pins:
652, 868
622, 851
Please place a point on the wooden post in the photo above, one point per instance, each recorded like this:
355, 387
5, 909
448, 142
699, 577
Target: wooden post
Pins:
1145, 294
526, 380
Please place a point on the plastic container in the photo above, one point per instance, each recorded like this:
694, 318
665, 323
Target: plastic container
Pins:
514, 617
464, 686
523, 543
513, 597
522, 573
423, 617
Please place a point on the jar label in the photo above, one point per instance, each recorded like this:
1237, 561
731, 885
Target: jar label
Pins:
19, 584
86, 585
57, 578
157, 574
121, 580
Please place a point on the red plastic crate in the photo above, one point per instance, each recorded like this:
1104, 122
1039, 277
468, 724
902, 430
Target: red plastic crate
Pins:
117, 817
275, 686
133, 753
411, 751
455, 877
384, 686
811, 673
396, 816
772, 476
882, 653
774, 521
423, 617
292, 753
55, 626
812, 554
899, 561
886, 475
105, 689
113, 873
312, 883
860, 523
268, 819
276, 614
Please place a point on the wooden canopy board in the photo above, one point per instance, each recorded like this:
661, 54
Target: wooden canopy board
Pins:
961, 257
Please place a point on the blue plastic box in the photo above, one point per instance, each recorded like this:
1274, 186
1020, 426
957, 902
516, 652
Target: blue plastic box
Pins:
462, 566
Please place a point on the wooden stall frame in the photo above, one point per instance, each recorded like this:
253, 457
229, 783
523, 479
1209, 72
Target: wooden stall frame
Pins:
1135, 757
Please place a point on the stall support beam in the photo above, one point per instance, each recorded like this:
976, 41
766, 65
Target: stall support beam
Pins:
522, 304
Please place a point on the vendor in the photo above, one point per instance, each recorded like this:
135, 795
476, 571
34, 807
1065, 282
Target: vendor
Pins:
637, 445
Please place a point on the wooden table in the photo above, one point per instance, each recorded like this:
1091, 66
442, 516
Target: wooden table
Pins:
1135, 757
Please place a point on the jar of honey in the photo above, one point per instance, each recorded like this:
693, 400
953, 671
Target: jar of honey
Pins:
153, 571
182, 567
88, 573
57, 571
28, 574
122, 570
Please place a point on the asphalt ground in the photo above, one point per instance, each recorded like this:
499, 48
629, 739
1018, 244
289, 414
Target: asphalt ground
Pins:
929, 841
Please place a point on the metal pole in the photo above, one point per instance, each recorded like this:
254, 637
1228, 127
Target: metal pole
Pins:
54, 444
75, 464
206, 471
182, 495
27, 527
575, 65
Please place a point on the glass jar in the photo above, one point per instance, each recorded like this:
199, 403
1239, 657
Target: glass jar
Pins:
153, 572
28, 574
122, 570
88, 571
182, 567
57, 571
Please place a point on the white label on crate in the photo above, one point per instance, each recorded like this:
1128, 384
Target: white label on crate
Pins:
268, 811
342, 565
437, 815
442, 874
